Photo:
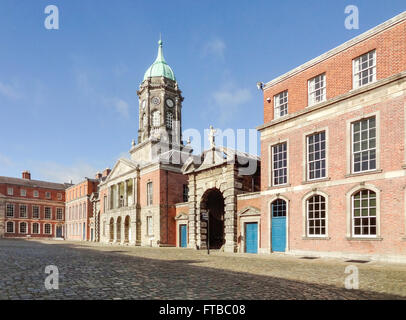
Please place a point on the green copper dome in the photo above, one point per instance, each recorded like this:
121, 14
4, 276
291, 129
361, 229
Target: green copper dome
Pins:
160, 68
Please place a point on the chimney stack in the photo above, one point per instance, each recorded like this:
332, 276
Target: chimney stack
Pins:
106, 172
99, 175
26, 175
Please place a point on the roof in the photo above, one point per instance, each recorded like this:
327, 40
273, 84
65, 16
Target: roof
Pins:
160, 68
35, 183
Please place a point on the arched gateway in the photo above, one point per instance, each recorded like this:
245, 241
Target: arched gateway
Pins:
212, 208
216, 177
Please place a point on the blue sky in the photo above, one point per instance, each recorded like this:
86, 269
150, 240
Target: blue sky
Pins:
68, 97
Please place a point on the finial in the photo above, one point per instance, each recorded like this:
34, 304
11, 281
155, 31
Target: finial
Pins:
133, 143
160, 39
212, 139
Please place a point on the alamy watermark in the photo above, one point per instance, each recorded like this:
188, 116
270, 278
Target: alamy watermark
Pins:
352, 20
352, 280
52, 20
52, 281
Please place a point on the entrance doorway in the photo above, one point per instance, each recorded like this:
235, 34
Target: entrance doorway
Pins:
59, 233
251, 237
213, 204
183, 235
278, 215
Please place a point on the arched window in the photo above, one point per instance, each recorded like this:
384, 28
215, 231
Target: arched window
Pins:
10, 227
169, 120
156, 118
23, 227
316, 216
364, 213
278, 208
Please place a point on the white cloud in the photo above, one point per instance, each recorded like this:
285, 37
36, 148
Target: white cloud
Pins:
5, 161
122, 107
215, 47
9, 91
55, 172
228, 102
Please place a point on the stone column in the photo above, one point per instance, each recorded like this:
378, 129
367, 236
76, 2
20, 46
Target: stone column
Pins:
133, 231
122, 240
108, 199
118, 195
125, 193
115, 232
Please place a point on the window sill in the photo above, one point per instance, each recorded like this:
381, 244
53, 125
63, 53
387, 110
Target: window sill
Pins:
364, 173
279, 186
316, 180
364, 239
316, 238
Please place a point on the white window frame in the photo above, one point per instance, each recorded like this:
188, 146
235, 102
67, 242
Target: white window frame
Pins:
45, 228
356, 73
321, 159
313, 98
353, 235
36, 194
23, 192
39, 212
12, 206
150, 193
48, 195
352, 145
10, 191
278, 106
26, 210
39, 228
59, 211
273, 164
60, 196
50, 213
7, 223
325, 217
26, 227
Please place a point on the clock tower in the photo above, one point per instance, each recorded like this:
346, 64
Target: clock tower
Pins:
160, 104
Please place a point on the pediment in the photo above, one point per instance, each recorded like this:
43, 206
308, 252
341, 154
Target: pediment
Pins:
121, 167
249, 212
182, 216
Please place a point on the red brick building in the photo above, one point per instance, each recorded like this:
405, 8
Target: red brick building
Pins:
79, 210
31, 208
333, 151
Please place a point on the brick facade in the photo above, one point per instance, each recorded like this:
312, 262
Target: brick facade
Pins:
34, 209
384, 101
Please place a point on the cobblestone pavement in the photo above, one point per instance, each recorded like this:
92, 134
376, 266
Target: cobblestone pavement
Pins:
94, 271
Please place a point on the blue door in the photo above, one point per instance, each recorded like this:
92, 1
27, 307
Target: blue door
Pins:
278, 208
251, 236
183, 236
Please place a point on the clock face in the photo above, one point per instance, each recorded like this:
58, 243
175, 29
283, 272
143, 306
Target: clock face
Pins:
156, 100
169, 103
144, 103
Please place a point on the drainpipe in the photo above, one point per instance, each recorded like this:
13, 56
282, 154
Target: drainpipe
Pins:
167, 208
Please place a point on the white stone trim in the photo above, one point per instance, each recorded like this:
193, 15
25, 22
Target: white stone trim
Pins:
305, 198
305, 153
348, 196
278, 196
349, 137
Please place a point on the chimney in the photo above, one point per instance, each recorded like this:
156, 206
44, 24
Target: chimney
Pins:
26, 175
99, 175
106, 172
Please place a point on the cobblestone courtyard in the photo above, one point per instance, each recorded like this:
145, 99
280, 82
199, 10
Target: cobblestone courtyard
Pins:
92, 271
